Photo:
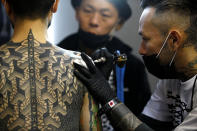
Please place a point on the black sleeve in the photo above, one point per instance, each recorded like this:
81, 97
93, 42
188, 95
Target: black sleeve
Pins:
137, 82
4, 26
155, 124
143, 127
1, 17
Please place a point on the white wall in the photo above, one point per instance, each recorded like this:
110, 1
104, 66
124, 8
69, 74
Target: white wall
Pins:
64, 23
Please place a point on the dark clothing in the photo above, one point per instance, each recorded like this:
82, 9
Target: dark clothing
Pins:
135, 76
5, 28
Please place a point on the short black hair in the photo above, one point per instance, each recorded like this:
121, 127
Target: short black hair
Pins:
179, 5
184, 8
122, 7
147, 3
31, 9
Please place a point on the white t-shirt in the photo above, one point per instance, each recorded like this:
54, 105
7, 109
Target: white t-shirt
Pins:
171, 101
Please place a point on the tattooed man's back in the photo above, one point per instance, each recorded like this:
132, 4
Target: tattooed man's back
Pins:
38, 90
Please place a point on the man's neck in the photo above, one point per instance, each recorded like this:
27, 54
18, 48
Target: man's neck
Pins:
187, 62
22, 28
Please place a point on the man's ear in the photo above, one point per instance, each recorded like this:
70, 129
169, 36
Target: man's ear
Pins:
77, 13
55, 6
2, 1
119, 25
175, 40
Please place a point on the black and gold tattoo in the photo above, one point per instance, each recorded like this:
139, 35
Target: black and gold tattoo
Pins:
37, 87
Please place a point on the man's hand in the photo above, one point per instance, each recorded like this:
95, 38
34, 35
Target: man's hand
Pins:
94, 80
106, 66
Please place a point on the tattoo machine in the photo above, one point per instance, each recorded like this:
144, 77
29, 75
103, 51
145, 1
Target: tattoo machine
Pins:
118, 58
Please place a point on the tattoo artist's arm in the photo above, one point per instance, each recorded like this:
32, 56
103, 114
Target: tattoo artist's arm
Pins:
124, 120
120, 116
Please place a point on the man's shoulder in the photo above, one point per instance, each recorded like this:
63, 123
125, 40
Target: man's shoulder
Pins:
118, 44
68, 53
168, 84
70, 38
69, 42
74, 56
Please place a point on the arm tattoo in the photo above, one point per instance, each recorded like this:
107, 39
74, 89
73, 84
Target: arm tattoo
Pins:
37, 87
94, 121
91, 112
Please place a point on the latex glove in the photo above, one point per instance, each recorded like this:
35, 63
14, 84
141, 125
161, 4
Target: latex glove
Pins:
106, 66
96, 83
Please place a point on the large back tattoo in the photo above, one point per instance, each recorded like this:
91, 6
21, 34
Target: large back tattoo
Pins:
38, 90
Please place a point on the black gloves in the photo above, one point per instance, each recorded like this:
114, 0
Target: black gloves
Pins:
106, 66
94, 80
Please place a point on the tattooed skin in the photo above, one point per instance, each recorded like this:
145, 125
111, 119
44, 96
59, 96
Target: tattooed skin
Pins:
37, 89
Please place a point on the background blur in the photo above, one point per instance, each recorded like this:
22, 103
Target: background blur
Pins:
64, 24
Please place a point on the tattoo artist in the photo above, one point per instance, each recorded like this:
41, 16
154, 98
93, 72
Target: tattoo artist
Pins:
168, 29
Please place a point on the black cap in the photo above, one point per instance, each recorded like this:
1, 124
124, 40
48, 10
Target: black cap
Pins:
122, 6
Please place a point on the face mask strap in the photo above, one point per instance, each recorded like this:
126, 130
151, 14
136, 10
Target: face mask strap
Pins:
111, 34
163, 45
172, 58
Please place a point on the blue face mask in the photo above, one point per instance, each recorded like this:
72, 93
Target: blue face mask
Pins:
161, 71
